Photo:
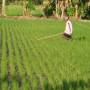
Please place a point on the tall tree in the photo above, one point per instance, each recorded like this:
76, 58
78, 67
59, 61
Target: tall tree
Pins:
25, 7
3, 8
0, 7
62, 6
56, 4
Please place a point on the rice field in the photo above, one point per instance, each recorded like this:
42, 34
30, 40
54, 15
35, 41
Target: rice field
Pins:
27, 63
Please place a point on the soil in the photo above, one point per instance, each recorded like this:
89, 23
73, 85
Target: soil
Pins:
23, 17
27, 17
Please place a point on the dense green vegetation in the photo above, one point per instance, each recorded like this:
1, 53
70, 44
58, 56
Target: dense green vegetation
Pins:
57, 8
52, 64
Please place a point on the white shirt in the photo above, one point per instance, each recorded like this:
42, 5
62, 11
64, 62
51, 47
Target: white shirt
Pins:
68, 29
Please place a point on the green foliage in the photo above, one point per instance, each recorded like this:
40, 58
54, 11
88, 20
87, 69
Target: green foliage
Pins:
81, 11
86, 13
70, 11
75, 1
48, 10
38, 2
30, 5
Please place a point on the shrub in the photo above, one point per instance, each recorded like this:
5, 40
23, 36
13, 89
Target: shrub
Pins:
86, 12
48, 11
30, 5
70, 11
38, 2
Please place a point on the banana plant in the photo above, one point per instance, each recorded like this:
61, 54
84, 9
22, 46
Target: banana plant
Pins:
77, 4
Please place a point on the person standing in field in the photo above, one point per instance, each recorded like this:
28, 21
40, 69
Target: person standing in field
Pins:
68, 30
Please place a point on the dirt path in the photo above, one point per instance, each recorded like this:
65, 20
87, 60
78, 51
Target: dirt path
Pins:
23, 17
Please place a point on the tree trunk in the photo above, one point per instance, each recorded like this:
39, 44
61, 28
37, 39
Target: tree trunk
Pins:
56, 8
76, 12
62, 10
67, 3
25, 8
70, 2
0, 8
3, 8
62, 15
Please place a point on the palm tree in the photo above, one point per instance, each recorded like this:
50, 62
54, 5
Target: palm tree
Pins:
3, 8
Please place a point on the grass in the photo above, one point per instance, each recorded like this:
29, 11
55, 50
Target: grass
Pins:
51, 64
17, 10
14, 10
38, 11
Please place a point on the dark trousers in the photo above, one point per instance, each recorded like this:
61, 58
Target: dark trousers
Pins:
67, 36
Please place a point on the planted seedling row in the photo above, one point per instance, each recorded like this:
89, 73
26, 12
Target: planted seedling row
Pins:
22, 58
8, 53
40, 53
17, 63
24, 46
24, 53
39, 78
0, 57
4, 60
14, 51
44, 53
32, 61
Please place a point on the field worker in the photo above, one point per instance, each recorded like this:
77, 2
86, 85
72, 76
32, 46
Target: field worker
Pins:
68, 30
